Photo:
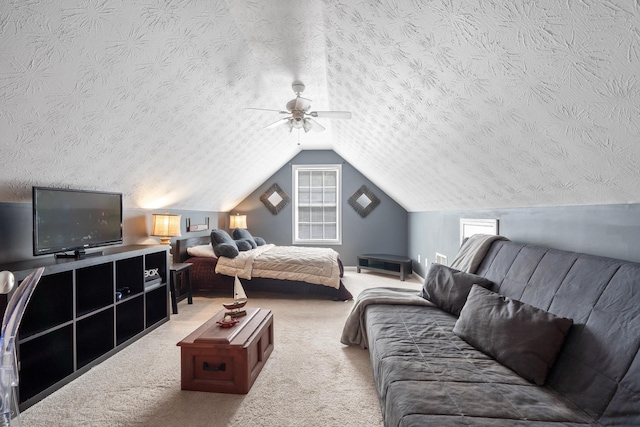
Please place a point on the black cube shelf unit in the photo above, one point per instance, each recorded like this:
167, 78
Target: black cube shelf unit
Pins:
74, 319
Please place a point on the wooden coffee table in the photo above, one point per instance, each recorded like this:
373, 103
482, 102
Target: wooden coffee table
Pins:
227, 360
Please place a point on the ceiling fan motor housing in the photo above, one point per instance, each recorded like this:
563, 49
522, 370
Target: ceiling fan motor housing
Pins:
297, 115
298, 87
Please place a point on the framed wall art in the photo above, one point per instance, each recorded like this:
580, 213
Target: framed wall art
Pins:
363, 201
275, 199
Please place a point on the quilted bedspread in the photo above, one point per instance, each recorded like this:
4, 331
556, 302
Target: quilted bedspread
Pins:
312, 265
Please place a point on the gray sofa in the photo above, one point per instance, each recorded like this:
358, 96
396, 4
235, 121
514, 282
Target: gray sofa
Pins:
427, 375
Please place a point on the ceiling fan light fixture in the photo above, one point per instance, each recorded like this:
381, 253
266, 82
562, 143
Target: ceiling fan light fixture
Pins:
307, 126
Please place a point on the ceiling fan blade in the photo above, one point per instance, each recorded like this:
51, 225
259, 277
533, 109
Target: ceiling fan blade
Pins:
331, 114
277, 123
310, 124
266, 109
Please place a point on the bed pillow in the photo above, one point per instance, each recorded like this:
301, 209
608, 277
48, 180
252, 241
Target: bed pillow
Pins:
229, 250
448, 288
243, 245
223, 244
202, 251
523, 338
220, 236
259, 241
241, 233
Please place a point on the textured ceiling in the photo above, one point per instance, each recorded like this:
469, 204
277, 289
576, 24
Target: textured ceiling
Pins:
457, 104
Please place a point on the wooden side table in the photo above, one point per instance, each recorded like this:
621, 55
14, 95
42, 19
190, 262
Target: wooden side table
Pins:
179, 276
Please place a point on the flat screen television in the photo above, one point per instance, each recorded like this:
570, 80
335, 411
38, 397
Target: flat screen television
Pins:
66, 220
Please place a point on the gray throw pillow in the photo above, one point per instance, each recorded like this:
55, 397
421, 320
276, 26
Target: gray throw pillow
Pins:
241, 233
220, 236
523, 338
448, 288
259, 241
229, 250
243, 245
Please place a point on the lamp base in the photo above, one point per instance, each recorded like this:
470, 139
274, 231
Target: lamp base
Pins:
165, 240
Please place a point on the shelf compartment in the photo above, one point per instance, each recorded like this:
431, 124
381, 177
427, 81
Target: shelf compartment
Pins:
157, 305
157, 260
380, 266
130, 276
44, 361
50, 305
94, 288
94, 337
129, 318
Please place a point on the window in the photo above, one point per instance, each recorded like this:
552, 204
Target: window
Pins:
317, 204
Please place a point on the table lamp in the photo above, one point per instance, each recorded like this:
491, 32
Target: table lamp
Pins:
166, 226
237, 221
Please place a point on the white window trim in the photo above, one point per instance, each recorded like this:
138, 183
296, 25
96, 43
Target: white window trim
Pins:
471, 226
338, 240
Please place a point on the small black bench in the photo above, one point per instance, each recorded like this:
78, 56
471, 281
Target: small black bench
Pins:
391, 264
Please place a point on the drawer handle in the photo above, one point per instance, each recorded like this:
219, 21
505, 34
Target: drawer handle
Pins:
207, 367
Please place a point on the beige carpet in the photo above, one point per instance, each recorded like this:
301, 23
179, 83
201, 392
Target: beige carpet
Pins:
309, 380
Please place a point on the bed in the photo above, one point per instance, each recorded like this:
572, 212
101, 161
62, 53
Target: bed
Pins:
204, 278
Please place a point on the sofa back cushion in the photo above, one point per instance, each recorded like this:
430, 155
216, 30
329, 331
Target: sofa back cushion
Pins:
598, 367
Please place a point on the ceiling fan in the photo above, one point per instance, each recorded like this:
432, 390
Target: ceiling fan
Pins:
299, 116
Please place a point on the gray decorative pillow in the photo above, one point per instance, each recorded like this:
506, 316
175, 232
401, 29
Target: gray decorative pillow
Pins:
243, 245
518, 335
220, 236
259, 241
448, 288
223, 244
241, 233
229, 250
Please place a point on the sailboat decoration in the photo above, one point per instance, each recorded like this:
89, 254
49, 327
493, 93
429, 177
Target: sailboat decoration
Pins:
239, 300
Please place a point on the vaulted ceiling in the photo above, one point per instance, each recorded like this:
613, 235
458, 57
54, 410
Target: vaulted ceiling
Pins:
457, 104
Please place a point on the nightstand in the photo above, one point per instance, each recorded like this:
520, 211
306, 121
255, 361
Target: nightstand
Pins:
180, 286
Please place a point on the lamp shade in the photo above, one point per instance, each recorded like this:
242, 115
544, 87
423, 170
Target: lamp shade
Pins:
238, 221
165, 225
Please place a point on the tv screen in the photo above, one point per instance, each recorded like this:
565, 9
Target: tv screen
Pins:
73, 220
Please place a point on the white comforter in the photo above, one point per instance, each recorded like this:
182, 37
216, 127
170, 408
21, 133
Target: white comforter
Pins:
312, 265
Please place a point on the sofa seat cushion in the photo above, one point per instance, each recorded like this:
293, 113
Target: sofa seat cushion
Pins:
426, 375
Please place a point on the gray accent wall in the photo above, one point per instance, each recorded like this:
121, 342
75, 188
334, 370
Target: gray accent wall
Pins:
605, 230
384, 230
